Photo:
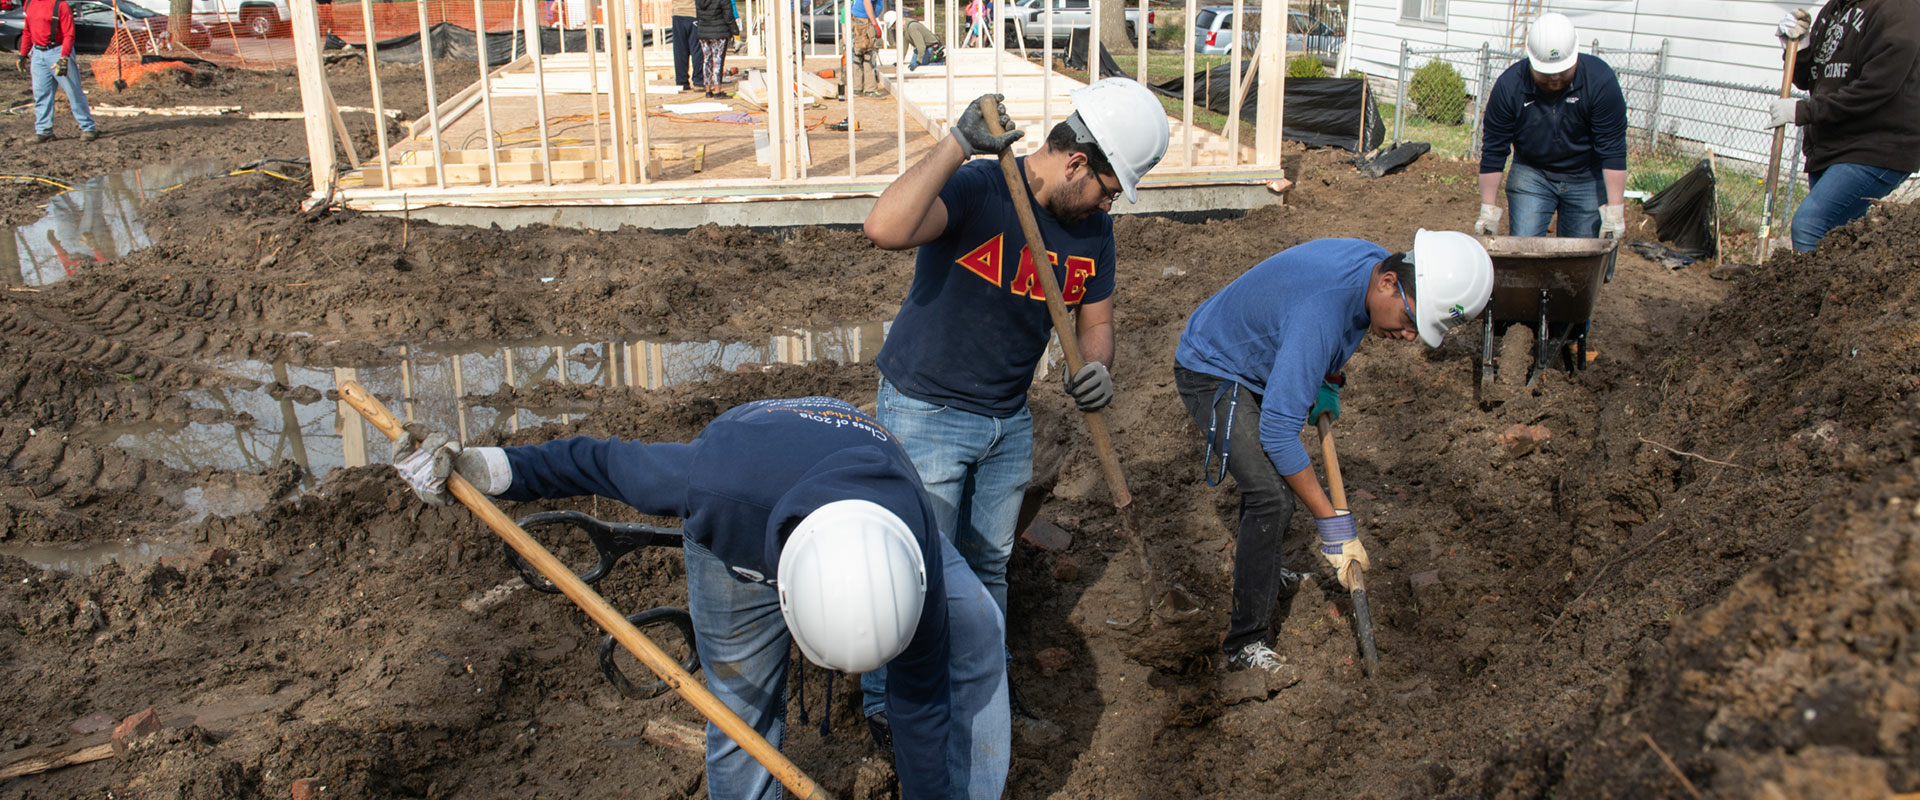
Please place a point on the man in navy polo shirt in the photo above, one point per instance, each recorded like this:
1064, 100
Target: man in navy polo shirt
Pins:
1565, 119
962, 351
804, 520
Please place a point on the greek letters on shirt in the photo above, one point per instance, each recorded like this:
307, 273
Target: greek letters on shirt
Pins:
985, 261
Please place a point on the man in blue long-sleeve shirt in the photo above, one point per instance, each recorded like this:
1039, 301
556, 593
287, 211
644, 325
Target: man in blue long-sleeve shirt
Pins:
1252, 369
804, 519
1565, 119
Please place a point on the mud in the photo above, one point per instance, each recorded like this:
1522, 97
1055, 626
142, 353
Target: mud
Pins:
1702, 546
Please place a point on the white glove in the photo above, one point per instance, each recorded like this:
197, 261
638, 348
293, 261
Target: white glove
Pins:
1489, 222
426, 468
1782, 111
1613, 221
1793, 27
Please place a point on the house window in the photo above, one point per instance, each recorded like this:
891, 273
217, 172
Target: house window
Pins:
1424, 10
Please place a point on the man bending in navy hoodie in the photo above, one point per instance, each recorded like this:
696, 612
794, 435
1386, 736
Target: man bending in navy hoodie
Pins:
804, 520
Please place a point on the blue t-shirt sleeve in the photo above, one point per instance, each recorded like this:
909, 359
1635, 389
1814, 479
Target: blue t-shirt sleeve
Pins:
1299, 365
650, 477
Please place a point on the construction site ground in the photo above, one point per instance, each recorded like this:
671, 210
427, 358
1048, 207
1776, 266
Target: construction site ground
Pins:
1689, 570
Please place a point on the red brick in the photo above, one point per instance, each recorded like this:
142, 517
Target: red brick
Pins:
1047, 536
134, 728
1066, 569
307, 788
1520, 440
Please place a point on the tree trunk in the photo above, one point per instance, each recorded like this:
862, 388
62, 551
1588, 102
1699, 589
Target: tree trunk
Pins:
1113, 30
179, 13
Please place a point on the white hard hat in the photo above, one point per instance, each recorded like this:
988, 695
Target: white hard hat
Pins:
1122, 118
1452, 278
889, 17
1551, 43
852, 583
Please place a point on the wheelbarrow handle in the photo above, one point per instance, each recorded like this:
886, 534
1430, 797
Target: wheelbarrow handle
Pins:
611, 540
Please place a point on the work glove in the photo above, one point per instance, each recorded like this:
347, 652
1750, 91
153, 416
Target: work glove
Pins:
972, 134
1340, 543
1782, 111
1327, 403
1489, 222
427, 466
1793, 27
60, 68
1613, 221
20, 64
1092, 387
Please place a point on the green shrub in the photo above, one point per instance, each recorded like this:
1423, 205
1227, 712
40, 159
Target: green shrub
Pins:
1439, 93
1305, 67
1354, 73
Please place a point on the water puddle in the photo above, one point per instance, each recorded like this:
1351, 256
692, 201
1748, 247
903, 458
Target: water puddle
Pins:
92, 224
446, 387
85, 558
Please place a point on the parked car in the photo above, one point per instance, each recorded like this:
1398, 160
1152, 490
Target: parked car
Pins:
258, 18
1026, 19
1213, 32
94, 24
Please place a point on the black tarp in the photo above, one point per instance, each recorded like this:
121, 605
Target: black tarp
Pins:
1077, 56
1320, 112
452, 41
1683, 212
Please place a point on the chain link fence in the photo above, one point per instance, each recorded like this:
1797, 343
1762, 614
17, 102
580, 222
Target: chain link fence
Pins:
1673, 122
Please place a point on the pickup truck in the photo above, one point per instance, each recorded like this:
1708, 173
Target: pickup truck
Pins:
1026, 19
259, 18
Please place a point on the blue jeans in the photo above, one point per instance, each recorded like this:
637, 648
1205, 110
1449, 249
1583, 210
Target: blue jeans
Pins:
743, 643
1838, 195
1534, 196
977, 469
44, 80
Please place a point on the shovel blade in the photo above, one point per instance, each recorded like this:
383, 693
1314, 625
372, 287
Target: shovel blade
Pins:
1363, 629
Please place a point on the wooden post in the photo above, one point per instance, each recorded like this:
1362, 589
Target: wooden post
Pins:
1232, 128
777, 24
536, 49
433, 98
639, 25
1046, 68
846, 81
1140, 27
486, 93
313, 97
900, 83
1186, 109
953, 57
1093, 42
340, 128
1266, 125
620, 101
593, 92
1000, 40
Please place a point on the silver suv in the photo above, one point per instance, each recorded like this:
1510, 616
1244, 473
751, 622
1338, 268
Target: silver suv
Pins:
1213, 32
1027, 21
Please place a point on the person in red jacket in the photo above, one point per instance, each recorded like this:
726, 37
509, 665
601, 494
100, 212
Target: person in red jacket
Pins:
46, 47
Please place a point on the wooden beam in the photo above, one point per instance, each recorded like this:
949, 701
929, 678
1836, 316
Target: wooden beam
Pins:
486, 95
379, 104
67, 758
313, 99
1266, 126
433, 102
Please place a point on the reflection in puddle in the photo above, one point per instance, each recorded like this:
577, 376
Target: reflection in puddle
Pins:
84, 558
96, 222
441, 386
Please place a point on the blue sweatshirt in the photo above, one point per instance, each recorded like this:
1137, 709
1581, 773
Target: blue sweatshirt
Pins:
741, 486
1280, 329
1570, 135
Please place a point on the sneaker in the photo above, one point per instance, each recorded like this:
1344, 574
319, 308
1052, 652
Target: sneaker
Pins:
881, 731
88, 136
42, 138
1256, 655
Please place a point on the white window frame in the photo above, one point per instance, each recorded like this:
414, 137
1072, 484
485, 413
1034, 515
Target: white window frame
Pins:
1430, 11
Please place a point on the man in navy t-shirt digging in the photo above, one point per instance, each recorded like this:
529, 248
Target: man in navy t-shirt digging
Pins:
956, 365
804, 520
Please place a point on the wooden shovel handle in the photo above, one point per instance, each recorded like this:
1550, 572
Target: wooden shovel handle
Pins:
601, 612
1056, 308
1335, 486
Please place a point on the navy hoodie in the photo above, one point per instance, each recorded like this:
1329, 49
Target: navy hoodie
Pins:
742, 485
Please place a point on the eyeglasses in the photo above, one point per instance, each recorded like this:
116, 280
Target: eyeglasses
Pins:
1403, 304
1109, 195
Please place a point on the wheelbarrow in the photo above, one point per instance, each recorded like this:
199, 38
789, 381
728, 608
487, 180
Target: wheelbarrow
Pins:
1550, 285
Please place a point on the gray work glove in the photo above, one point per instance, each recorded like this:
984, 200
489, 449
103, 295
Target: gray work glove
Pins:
1489, 222
1613, 221
428, 466
1092, 387
972, 134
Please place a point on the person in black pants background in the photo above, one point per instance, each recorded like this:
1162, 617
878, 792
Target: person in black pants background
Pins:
686, 50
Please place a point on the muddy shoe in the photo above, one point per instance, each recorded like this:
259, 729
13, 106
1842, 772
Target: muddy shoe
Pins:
42, 138
1256, 655
881, 731
88, 136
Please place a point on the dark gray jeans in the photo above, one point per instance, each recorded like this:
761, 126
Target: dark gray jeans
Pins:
1266, 502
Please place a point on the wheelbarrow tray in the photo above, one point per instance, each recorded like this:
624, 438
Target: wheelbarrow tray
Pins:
1569, 271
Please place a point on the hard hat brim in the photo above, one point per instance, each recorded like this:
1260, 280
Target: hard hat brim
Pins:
1553, 67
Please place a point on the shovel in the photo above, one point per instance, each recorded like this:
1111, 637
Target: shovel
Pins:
1155, 596
602, 613
1362, 611
1765, 238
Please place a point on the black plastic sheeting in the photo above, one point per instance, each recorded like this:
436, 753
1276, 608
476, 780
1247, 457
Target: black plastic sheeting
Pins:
452, 41
1320, 112
1683, 212
1077, 56
1394, 158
